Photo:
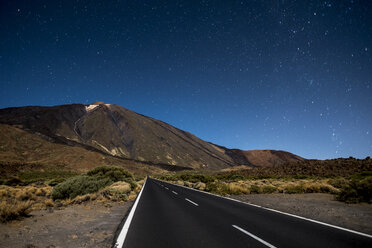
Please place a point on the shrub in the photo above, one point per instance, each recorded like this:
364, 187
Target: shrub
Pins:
338, 183
217, 188
114, 174
268, 189
93, 181
79, 185
255, 189
358, 190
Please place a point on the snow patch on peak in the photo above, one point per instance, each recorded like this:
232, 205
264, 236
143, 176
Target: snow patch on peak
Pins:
90, 107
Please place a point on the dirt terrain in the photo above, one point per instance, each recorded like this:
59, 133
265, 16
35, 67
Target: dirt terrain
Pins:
317, 206
92, 225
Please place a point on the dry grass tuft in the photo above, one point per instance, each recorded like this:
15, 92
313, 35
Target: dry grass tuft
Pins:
13, 210
238, 188
38, 197
122, 187
199, 186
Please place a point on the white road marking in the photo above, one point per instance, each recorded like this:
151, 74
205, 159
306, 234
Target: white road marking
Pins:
192, 202
254, 236
280, 212
123, 233
166, 187
174, 192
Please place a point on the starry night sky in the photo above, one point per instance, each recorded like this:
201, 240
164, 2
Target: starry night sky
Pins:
288, 75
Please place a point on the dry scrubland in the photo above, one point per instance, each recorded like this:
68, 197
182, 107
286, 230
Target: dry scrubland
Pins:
349, 180
35, 190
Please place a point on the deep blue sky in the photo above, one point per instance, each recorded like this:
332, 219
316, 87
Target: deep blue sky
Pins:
288, 75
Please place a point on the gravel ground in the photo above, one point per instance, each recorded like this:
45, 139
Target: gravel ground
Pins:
75, 226
321, 207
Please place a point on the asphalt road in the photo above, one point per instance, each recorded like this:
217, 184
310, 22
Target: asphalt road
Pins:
172, 216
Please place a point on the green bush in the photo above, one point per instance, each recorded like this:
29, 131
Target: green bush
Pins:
358, 190
268, 189
362, 175
338, 183
217, 188
254, 189
79, 185
93, 181
114, 174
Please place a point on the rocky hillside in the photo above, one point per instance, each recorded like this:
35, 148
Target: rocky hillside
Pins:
21, 150
118, 132
264, 158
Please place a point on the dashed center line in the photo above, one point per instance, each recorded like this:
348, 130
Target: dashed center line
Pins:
192, 202
254, 236
166, 188
174, 192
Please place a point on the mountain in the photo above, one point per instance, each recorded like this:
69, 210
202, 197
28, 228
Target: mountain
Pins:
116, 132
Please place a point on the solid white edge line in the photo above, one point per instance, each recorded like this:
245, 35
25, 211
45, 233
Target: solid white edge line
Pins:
280, 212
254, 236
192, 202
174, 192
123, 233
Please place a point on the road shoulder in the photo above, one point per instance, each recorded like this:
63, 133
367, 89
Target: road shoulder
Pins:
317, 206
90, 225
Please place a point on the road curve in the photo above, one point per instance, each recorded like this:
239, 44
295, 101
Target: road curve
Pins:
172, 216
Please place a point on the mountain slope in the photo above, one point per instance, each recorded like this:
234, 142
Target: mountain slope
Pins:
122, 133
21, 150
119, 132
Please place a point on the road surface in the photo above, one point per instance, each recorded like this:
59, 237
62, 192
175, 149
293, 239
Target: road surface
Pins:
172, 216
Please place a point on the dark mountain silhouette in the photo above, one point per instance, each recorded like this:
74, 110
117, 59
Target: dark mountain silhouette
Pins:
118, 132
